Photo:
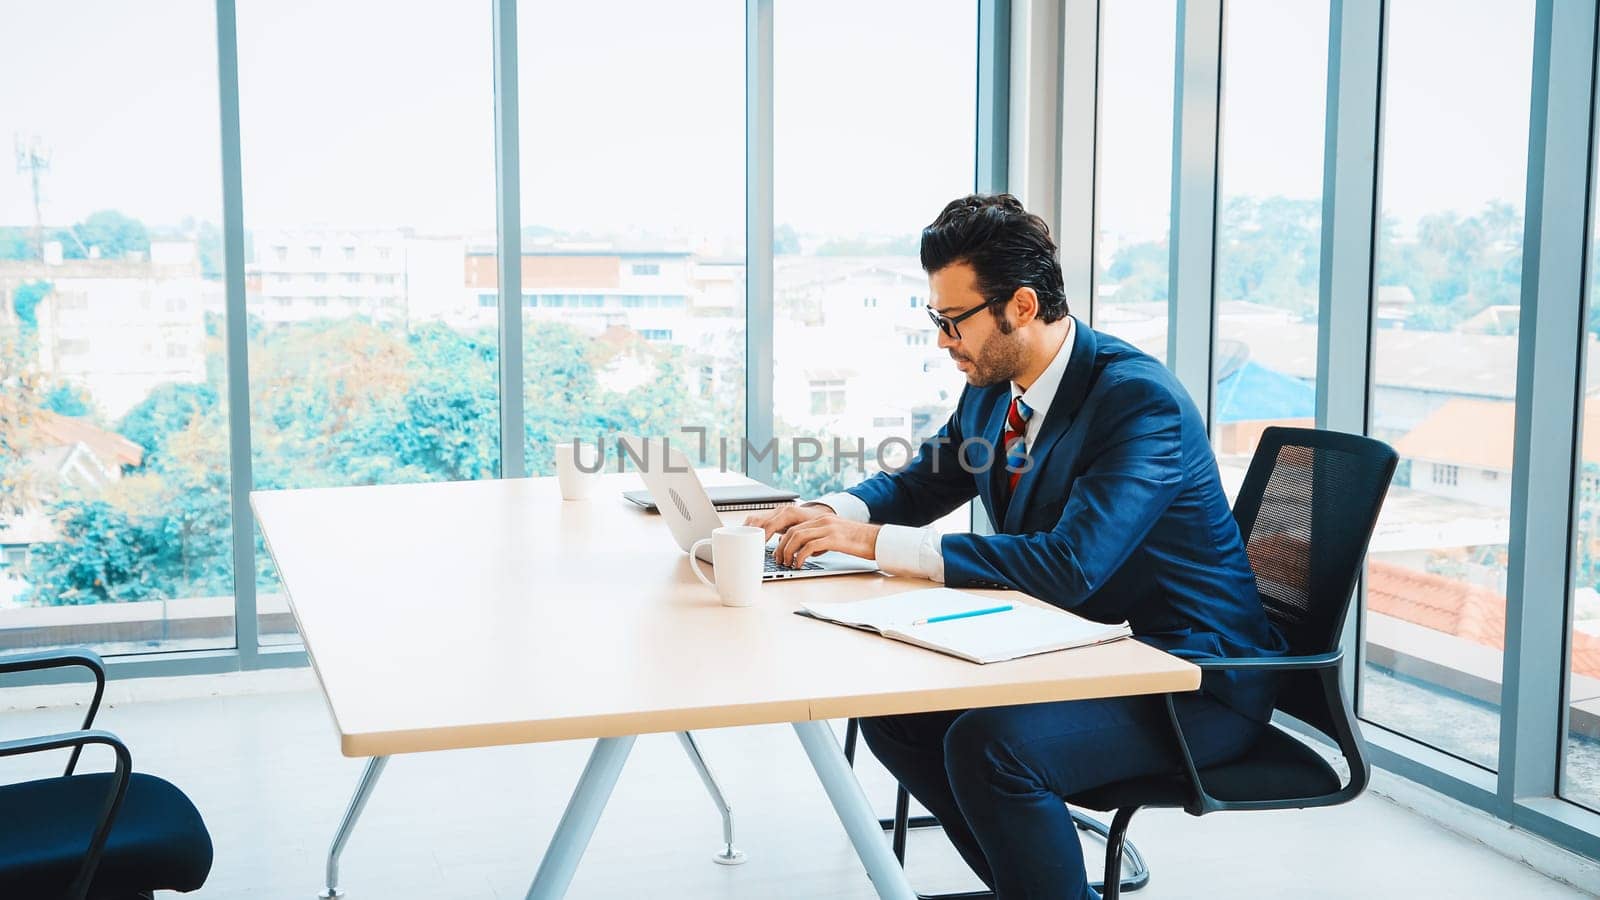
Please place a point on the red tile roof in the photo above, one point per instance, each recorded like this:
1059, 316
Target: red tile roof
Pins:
1467, 611
112, 449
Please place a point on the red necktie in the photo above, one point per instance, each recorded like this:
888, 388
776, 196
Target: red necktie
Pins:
1016, 448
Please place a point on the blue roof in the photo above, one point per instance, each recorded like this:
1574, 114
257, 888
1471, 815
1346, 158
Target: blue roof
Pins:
1253, 393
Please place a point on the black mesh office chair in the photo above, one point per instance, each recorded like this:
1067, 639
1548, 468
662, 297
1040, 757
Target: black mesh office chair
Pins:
115, 835
1306, 511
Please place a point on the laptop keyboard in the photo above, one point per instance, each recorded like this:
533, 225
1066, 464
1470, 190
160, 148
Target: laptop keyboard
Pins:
772, 565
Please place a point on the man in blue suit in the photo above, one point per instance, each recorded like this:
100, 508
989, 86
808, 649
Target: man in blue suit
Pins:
1094, 467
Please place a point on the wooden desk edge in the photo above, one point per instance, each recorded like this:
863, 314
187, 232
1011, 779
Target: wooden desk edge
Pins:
387, 743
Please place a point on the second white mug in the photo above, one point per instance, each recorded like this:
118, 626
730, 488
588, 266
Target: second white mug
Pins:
573, 480
738, 556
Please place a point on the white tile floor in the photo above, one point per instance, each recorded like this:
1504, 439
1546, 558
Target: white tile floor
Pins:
264, 769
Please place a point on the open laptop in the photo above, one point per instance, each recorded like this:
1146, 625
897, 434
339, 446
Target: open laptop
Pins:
691, 516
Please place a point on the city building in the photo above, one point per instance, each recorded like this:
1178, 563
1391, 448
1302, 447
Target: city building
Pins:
383, 275
117, 328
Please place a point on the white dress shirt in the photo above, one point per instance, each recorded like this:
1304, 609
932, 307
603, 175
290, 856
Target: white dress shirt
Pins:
904, 550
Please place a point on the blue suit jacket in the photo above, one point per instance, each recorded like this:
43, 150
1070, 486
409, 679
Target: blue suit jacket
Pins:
1121, 515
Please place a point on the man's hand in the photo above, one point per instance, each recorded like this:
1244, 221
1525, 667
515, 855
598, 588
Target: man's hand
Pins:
826, 532
785, 517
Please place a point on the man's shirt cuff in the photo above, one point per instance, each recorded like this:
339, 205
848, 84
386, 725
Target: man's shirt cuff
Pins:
846, 506
902, 550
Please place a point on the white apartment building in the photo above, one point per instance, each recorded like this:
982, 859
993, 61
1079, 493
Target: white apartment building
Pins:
855, 353
118, 328
388, 275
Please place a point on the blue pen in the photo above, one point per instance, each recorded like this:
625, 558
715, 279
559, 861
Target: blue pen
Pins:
963, 615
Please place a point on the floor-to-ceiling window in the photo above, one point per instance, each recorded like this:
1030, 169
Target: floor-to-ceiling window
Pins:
1580, 765
1275, 81
1133, 171
1444, 374
115, 528
632, 152
368, 154
872, 138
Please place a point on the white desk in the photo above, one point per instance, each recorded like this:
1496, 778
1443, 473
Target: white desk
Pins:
473, 614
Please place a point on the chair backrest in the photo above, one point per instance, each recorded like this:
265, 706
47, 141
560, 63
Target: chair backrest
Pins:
1306, 511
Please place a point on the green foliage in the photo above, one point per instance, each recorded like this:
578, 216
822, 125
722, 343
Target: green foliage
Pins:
110, 232
335, 403
102, 555
811, 478
67, 400
567, 397
169, 409
16, 243
25, 303
208, 244
1140, 273
1271, 253
785, 240
1455, 266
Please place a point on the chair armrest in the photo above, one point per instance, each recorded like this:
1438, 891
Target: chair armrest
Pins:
79, 888
1347, 741
1278, 663
60, 659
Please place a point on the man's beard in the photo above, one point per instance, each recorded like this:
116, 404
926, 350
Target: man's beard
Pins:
1000, 360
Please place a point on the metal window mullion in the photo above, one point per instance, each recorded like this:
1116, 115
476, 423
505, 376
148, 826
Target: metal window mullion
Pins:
1077, 135
1035, 145
1196, 129
236, 328
758, 237
1351, 174
992, 155
508, 238
1549, 360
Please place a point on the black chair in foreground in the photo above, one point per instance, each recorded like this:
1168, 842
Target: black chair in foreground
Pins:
96, 836
1306, 511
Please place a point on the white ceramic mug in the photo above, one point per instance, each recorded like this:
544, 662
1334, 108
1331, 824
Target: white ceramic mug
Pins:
575, 482
738, 553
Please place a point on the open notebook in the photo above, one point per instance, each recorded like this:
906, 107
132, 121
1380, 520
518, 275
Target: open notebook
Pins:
1022, 630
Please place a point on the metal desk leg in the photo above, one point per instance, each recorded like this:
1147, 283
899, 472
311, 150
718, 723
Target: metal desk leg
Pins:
729, 855
854, 812
577, 823
369, 778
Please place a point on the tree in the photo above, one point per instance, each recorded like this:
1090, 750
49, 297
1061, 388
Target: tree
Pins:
112, 233
21, 397
1270, 253
16, 243
169, 408
67, 400
1456, 266
25, 303
99, 556
1140, 271
785, 241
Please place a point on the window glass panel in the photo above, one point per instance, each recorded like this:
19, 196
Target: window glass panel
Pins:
115, 526
369, 203
1133, 168
867, 154
1448, 271
633, 209
1580, 766
1268, 235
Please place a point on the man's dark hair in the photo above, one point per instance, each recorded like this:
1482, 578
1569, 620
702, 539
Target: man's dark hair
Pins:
1007, 247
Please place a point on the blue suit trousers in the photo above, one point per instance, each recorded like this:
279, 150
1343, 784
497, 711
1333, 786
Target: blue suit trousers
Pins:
996, 778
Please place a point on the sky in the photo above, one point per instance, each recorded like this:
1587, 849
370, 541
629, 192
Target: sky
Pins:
360, 113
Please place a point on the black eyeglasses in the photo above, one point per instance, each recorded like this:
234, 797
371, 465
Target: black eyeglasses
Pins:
947, 324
